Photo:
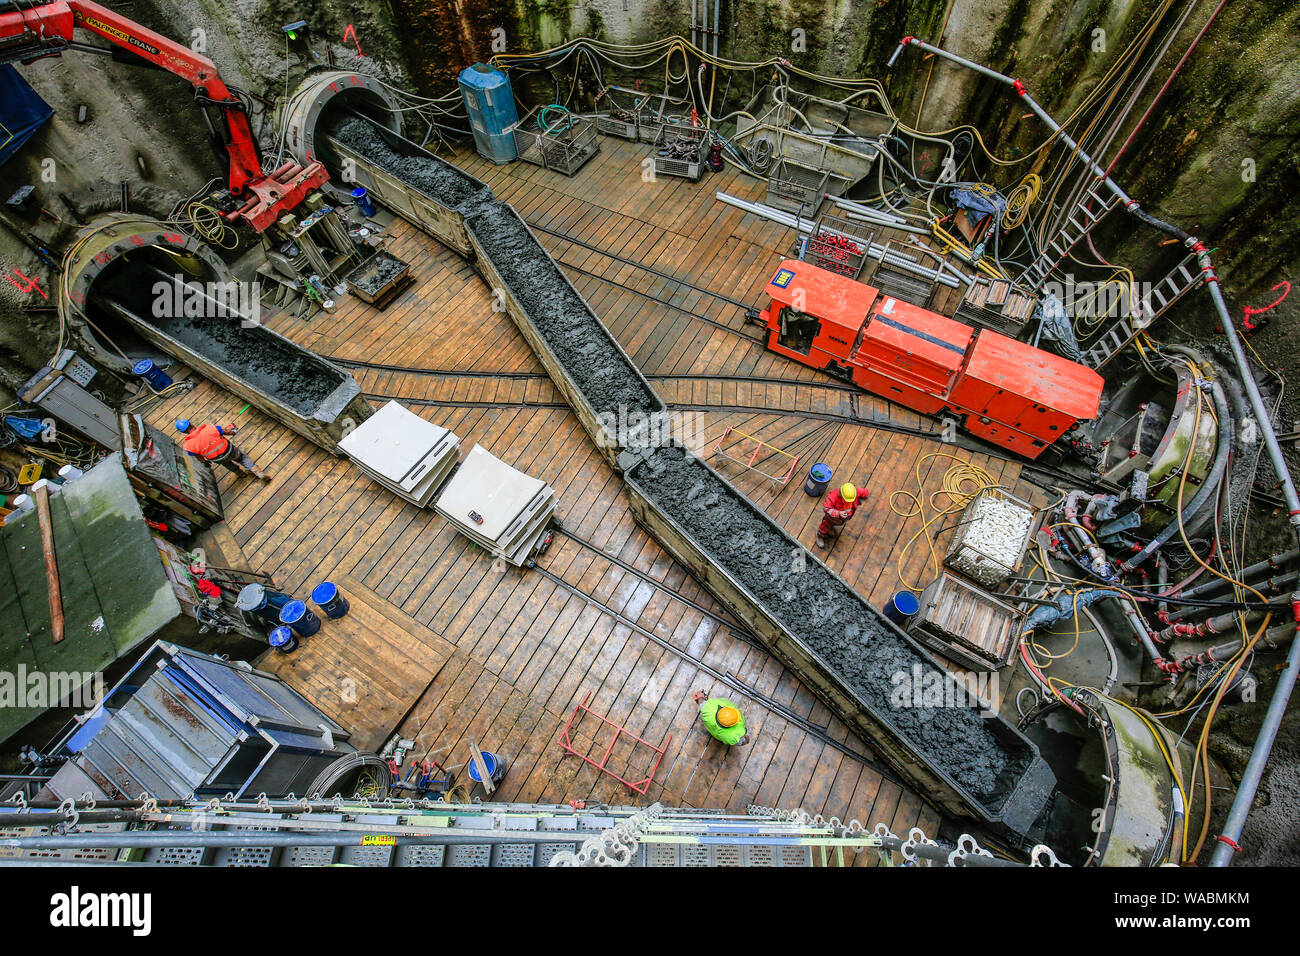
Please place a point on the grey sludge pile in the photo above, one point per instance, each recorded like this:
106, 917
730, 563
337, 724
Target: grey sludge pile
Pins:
440, 180
372, 276
293, 376
579, 339
829, 618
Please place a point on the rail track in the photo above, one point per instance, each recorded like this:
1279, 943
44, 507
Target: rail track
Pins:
814, 730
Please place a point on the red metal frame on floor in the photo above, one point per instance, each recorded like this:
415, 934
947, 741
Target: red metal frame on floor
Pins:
751, 464
641, 786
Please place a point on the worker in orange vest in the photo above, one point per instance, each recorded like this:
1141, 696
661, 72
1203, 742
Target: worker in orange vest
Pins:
210, 443
838, 508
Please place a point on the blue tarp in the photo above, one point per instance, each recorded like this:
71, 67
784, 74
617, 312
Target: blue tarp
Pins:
27, 428
22, 112
979, 203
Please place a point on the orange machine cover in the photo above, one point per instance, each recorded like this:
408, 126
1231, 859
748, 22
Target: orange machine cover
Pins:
913, 330
1041, 376
827, 295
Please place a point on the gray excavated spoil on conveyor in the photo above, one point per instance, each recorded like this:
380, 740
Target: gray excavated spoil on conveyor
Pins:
292, 376
578, 338
441, 180
832, 620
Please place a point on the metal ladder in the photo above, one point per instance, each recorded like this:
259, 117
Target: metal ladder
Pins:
1183, 278
1089, 211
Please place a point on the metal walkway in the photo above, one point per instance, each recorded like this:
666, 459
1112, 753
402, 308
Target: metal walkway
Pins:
265, 833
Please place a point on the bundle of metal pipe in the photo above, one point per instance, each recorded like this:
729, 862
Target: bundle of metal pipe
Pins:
1282, 584
1219, 624
946, 276
1275, 638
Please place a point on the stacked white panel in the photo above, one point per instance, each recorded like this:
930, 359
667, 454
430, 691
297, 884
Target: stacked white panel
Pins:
497, 507
408, 455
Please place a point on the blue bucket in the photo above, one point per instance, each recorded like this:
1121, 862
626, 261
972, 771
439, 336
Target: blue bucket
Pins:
495, 764
283, 639
819, 479
363, 202
330, 599
155, 377
263, 601
298, 617
902, 606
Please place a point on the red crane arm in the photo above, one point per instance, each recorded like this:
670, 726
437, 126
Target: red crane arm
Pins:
36, 31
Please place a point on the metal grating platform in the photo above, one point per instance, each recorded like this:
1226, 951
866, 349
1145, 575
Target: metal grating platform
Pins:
435, 834
175, 856
420, 856
469, 854
309, 856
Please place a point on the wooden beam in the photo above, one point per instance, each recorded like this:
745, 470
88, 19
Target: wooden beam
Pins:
477, 756
42, 498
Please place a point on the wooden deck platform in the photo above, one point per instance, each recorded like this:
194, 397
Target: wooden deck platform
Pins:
443, 648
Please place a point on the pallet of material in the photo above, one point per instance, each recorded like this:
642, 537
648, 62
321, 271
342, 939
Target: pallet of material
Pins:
992, 537
499, 508
379, 279
966, 624
408, 455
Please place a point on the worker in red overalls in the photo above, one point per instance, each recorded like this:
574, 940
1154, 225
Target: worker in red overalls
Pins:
210, 443
839, 507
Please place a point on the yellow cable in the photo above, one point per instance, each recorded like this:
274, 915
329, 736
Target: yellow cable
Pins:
960, 484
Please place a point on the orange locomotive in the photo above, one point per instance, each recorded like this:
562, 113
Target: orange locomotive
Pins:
1002, 390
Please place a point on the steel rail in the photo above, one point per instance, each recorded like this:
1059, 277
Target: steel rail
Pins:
758, 697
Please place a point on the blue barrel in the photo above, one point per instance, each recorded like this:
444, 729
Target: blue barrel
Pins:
284, 639
902, 606
363, 202
298, 617
156, 378
819, 479
495, 764
262, 601
330, 599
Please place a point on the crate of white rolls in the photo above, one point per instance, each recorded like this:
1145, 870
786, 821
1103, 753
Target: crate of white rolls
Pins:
992, 537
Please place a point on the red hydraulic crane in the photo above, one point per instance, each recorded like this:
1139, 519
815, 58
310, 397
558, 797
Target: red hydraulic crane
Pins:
31, 30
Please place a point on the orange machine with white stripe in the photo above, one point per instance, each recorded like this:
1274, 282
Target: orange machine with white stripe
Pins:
1000, 389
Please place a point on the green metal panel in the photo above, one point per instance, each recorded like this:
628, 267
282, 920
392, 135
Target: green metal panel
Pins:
116, 594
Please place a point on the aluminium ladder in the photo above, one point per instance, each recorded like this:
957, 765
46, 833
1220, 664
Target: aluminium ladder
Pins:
1183, 278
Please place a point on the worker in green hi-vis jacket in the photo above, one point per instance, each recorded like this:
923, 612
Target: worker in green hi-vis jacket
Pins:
722, 719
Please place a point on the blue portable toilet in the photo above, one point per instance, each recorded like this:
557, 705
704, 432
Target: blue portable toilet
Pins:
491, 106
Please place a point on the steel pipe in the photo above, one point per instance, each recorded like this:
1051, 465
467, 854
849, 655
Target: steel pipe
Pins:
1273, 563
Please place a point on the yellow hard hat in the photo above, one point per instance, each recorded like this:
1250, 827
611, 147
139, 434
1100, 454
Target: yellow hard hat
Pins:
728, 717
848, 492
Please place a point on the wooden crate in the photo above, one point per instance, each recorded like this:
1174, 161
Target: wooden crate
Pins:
966, 624
398, 280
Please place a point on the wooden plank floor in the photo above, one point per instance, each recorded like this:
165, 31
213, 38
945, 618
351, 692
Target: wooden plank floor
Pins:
444, 648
